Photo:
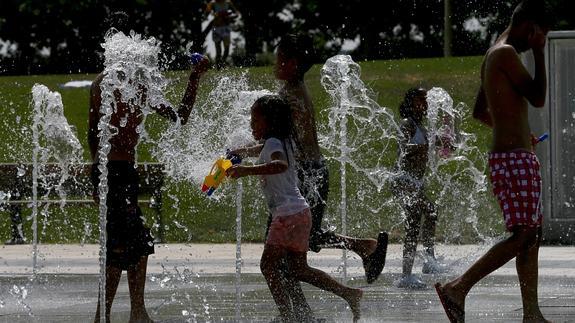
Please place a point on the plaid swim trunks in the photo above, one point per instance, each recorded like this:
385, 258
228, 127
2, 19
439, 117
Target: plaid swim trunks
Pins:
516, 181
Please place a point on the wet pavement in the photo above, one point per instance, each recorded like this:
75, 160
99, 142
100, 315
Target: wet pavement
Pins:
198, 283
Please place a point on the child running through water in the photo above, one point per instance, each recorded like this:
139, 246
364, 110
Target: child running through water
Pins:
409, 188
294, 58
288, 237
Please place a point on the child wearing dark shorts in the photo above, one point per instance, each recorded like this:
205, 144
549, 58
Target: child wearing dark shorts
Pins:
313, 179
128, 239
294, 58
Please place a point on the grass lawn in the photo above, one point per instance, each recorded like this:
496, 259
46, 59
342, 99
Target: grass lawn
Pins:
189, 216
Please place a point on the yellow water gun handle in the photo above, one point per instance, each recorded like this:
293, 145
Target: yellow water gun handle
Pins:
216, 176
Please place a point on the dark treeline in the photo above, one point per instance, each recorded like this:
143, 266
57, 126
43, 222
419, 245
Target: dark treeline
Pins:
64, 36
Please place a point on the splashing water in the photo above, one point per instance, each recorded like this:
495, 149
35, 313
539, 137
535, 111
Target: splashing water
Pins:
20, 293
132, 77
54, 140
357, 132
59, 137
362, 137
221, 122
456, 178
371, 132
187, 152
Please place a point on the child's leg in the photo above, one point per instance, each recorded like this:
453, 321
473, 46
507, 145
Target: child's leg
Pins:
521, 240
362, 247
270, 265
136, 285
113, 275
428, 227
218, 46
527, 270
315, 188
300, 306
226, 44
303, 272
294, 290
412, 225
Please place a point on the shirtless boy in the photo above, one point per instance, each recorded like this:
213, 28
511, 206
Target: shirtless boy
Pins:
502, 103
128, 241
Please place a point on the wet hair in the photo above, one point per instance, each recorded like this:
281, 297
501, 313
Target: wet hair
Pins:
298, 47
406, 106
277, 114
536, 11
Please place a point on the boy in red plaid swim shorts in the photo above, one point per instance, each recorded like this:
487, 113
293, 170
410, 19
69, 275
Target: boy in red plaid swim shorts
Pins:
502, 103
517, 185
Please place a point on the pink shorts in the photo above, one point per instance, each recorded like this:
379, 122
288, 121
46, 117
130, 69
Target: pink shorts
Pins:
291, 231
516, 181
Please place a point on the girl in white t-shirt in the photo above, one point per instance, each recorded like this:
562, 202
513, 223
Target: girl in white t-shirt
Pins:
288, 235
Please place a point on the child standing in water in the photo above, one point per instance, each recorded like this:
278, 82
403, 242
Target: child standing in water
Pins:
224, 13
288, 237
409, 188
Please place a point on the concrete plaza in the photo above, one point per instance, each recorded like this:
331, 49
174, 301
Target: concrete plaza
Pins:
198, 283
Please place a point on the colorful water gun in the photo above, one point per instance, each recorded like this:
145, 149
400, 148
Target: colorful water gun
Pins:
218, 172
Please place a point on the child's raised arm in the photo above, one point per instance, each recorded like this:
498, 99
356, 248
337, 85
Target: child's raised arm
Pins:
189, 99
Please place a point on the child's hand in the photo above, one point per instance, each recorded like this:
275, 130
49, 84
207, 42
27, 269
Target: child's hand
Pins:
534, 141
537, 38
237, 171
233, 152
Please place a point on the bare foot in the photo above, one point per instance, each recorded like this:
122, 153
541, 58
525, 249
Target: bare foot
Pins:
453, 302
354, 300
455, 294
